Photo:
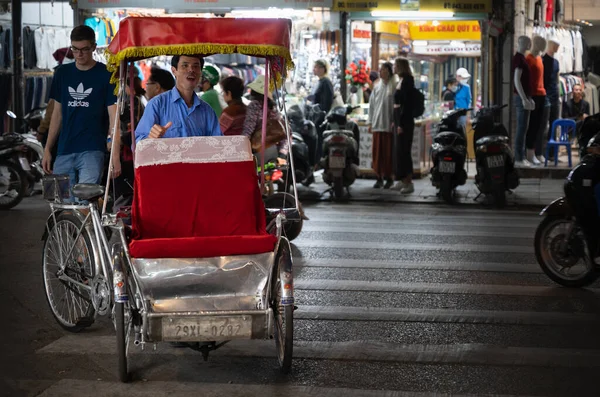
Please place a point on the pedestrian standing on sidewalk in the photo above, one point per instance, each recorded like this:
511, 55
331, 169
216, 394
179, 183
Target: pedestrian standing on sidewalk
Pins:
404, 124
84, 111
381, 120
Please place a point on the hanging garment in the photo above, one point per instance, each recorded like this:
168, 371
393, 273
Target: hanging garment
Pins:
577, 40
48, 44
6, 41
29, 56
39, 48
99, 28
549, 11
111, 29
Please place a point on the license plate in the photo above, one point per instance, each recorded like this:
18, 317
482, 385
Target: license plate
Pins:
337, 161
24, 163
495, 161
196, 329
447, 167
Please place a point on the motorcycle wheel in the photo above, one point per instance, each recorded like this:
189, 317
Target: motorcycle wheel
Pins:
557, 265
499, 197
446, 189
16, 185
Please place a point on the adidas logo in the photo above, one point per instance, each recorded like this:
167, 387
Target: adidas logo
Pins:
79, 95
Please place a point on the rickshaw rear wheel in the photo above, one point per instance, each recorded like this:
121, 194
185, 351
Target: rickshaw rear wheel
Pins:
77, 310
122, 331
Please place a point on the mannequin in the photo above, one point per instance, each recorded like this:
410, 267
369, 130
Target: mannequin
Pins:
538, 94
551, 84
523, 102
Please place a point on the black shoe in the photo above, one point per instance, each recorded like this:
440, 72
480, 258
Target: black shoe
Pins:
378, 184
388, 184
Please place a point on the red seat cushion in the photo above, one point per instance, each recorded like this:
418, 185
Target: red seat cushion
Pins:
184, 207
201, 247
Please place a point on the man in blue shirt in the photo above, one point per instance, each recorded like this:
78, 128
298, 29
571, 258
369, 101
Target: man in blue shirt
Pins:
179, 112
463, 99
84, 111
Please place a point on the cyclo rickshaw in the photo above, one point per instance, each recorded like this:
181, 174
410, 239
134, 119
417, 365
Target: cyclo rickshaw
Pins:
194, 261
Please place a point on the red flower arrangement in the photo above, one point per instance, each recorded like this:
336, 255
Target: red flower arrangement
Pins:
358, 74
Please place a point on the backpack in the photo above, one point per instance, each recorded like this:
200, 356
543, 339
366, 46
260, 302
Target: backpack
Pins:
418, 103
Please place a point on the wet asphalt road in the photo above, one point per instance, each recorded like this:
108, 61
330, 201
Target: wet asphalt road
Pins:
393, 300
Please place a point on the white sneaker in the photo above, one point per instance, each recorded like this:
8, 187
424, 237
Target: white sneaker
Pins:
398, 186
526, 163
535, 161
408, 188
541, 159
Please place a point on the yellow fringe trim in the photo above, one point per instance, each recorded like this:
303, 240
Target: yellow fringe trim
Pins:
114, 60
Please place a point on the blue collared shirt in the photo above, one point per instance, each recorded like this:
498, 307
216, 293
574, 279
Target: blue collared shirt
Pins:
199, 120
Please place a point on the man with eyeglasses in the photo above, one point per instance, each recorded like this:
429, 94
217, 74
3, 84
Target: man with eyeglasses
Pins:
179, 112
160, 81
84, 112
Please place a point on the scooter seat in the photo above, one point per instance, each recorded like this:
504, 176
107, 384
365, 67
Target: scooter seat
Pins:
449, 138
297, 137
486, 140
327, 133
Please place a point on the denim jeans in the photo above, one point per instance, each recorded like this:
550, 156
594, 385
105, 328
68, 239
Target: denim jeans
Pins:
85, 167
522, 124
541, 136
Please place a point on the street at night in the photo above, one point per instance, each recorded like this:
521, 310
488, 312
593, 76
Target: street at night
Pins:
393, 300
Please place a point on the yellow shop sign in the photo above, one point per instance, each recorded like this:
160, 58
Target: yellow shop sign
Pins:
445, 30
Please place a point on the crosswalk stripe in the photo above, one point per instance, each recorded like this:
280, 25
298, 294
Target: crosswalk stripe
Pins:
420, 222
419, 208
439, 288
465, 217
308, 227
76, 388
300, 262
423, 210
362, 351
349, 313
517, 249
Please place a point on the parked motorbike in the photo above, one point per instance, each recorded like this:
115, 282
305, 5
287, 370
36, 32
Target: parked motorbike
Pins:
448, 155
567, 241
340, 150
33, 149
494, 157
304, 147
14, 170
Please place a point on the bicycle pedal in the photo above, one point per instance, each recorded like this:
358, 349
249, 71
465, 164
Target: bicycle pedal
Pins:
85, 322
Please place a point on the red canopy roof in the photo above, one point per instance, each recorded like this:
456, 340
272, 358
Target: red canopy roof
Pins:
146, 37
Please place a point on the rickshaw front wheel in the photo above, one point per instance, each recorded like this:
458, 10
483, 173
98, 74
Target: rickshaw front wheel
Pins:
123, 330
284, 318
67, 254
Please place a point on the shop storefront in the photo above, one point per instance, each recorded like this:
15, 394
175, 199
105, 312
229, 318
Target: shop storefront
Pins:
436, 40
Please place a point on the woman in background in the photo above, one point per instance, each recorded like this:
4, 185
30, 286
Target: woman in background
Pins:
381, 120
404, 124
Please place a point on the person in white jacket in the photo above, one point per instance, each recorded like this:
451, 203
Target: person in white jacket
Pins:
381, 107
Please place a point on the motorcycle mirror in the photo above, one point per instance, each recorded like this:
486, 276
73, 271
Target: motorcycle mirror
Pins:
11, 114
